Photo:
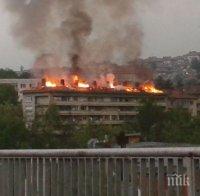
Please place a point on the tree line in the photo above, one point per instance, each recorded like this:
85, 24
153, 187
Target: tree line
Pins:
11, 74
48, 131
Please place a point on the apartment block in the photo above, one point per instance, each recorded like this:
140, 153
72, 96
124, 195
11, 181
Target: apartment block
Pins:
99, 107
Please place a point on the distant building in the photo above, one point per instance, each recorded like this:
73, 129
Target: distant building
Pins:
186, 102
21, 84
195, 92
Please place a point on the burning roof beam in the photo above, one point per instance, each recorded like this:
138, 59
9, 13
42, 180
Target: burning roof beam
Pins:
77, 83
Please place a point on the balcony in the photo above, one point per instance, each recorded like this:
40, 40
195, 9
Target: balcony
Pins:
96, 103
96, 113
101, 172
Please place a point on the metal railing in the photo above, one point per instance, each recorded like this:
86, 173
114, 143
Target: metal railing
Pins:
101, 172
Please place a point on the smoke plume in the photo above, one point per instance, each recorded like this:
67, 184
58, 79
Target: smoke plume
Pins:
77, 32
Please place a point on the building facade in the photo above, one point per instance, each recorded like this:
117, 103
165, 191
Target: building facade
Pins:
188, 102
99, 107
108, 107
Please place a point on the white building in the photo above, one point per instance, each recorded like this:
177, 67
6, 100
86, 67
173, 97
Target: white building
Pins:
99, 107
21, 84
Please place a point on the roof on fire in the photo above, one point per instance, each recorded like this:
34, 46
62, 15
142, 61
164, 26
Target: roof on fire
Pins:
89, 91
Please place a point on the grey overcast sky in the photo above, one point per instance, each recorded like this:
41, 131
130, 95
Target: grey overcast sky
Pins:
170, 27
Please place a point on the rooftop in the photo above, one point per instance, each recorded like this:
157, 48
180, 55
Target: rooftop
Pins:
90, 91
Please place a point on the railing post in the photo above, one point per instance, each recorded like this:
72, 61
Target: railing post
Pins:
188, 163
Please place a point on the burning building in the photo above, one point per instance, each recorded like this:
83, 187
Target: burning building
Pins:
79, 101
72, 34
102, 100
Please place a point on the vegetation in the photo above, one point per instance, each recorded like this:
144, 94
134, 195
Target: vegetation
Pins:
161, 83
196, 65
8, 94
11, 74
174, 126
13, 133
26, 75
49, 131
7, 74
152, 121
149, 118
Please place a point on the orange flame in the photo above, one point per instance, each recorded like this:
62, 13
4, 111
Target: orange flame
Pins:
50, 84
83, 85
129, 89
111, 85
78, 83
149, 87
75, 78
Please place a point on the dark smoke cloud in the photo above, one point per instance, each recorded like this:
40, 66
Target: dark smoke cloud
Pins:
116, 36
93, 31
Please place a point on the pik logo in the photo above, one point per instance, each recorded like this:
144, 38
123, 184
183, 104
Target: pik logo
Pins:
178, 180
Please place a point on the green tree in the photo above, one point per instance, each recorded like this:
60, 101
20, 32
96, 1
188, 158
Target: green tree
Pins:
161, 83
195, 64
13, 133
177, 126
179, 81
89, 131
8, 94
153, 65
194, 129
26, 75
150, 119
46, 128
121, 139
105, 134
8, 74
81, 136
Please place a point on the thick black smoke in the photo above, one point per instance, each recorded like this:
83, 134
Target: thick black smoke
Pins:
78, 31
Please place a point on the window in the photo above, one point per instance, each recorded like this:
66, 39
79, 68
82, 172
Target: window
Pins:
65, 99
91, 99
91, 108
100, 99
28, 99
114, 117
106, 117
75, 98
121, 100
114, 99
65, 108
57, 98
83, 108
42, 100
23, 85
75, 108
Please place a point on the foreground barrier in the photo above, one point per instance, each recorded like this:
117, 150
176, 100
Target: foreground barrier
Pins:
101, 172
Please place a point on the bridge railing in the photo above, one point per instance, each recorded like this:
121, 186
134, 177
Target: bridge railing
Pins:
101, 172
